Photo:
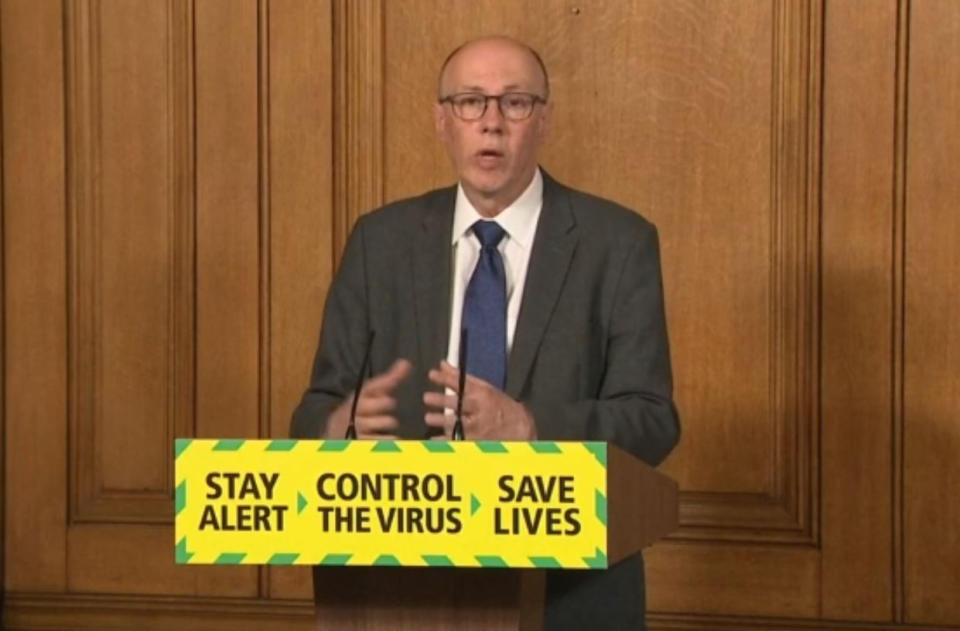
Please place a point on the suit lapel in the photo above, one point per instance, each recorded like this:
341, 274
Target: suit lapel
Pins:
431, 274
553, 248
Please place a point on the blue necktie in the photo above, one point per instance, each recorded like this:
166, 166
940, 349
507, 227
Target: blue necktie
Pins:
485, 309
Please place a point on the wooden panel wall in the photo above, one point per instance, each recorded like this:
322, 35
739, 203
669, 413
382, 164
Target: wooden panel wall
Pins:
179, 177
857, 316
170, 232
931, 336
34, 267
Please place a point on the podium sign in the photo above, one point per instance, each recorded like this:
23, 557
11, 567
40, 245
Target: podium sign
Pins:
403, 503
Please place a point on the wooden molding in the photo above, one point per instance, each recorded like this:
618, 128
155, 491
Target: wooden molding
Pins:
3, 353
357, 114
689, 622
89, 500
263, 164
263, 160
152, 613
789, 514
899, 305
78, 612
182, 379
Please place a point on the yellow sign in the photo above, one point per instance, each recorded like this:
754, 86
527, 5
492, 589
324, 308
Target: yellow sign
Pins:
412, 503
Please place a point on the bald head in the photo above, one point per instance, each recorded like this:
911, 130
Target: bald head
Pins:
492, 49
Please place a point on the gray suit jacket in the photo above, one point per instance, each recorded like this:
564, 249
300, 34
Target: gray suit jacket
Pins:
590, 357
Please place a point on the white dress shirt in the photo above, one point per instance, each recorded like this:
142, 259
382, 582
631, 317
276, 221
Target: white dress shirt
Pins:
519, 221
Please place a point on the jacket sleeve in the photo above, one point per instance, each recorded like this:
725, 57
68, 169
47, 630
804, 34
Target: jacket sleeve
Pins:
343, 336
634, 407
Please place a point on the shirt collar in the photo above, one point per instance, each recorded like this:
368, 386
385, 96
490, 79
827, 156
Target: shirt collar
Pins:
518, 219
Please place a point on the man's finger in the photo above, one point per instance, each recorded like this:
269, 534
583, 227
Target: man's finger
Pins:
383, 423
385, 382
373, 405
446, 378
449, 376
438, 419
440, 400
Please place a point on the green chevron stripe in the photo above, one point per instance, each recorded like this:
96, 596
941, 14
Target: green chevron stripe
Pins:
490, 560
283, 558
545, 447
281, 444
545, 563
230, 558
599, 451
180, 445
598, 561
474, 504
301, 502
335, 559
229, 444
437, 560
180, 498
387, 560
386, 446
491, 447
333, 445
601, 501
438, 446
182, 555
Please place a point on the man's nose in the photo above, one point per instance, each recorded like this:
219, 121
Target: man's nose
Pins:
492, 119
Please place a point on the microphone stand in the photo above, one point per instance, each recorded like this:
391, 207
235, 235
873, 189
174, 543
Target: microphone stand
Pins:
352, 427
462, 360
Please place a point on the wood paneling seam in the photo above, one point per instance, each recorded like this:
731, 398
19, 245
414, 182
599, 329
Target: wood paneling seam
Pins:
263, 159
898, 287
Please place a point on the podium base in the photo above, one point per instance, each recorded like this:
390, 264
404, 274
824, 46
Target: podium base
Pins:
428, 599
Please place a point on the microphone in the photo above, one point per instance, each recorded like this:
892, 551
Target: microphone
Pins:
352, 427
462, 361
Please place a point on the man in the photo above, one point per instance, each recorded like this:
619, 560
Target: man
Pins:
560, 293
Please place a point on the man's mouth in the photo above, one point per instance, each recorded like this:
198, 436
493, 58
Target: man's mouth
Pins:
489, 157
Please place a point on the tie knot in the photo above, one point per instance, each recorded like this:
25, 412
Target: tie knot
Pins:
489, 233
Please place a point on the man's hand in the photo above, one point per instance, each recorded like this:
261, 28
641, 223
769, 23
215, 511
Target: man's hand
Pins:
374, 418
488, 413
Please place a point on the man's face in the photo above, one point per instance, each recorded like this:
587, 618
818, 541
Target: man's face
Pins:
494, 157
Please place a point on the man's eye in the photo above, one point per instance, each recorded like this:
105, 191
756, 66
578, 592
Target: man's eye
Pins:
515, 100
470, 101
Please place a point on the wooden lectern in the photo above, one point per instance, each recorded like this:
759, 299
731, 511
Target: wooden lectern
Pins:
642, 507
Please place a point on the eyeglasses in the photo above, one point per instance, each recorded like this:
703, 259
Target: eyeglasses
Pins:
471, 106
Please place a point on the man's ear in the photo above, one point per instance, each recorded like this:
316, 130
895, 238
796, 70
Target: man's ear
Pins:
440, 120
544, 122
